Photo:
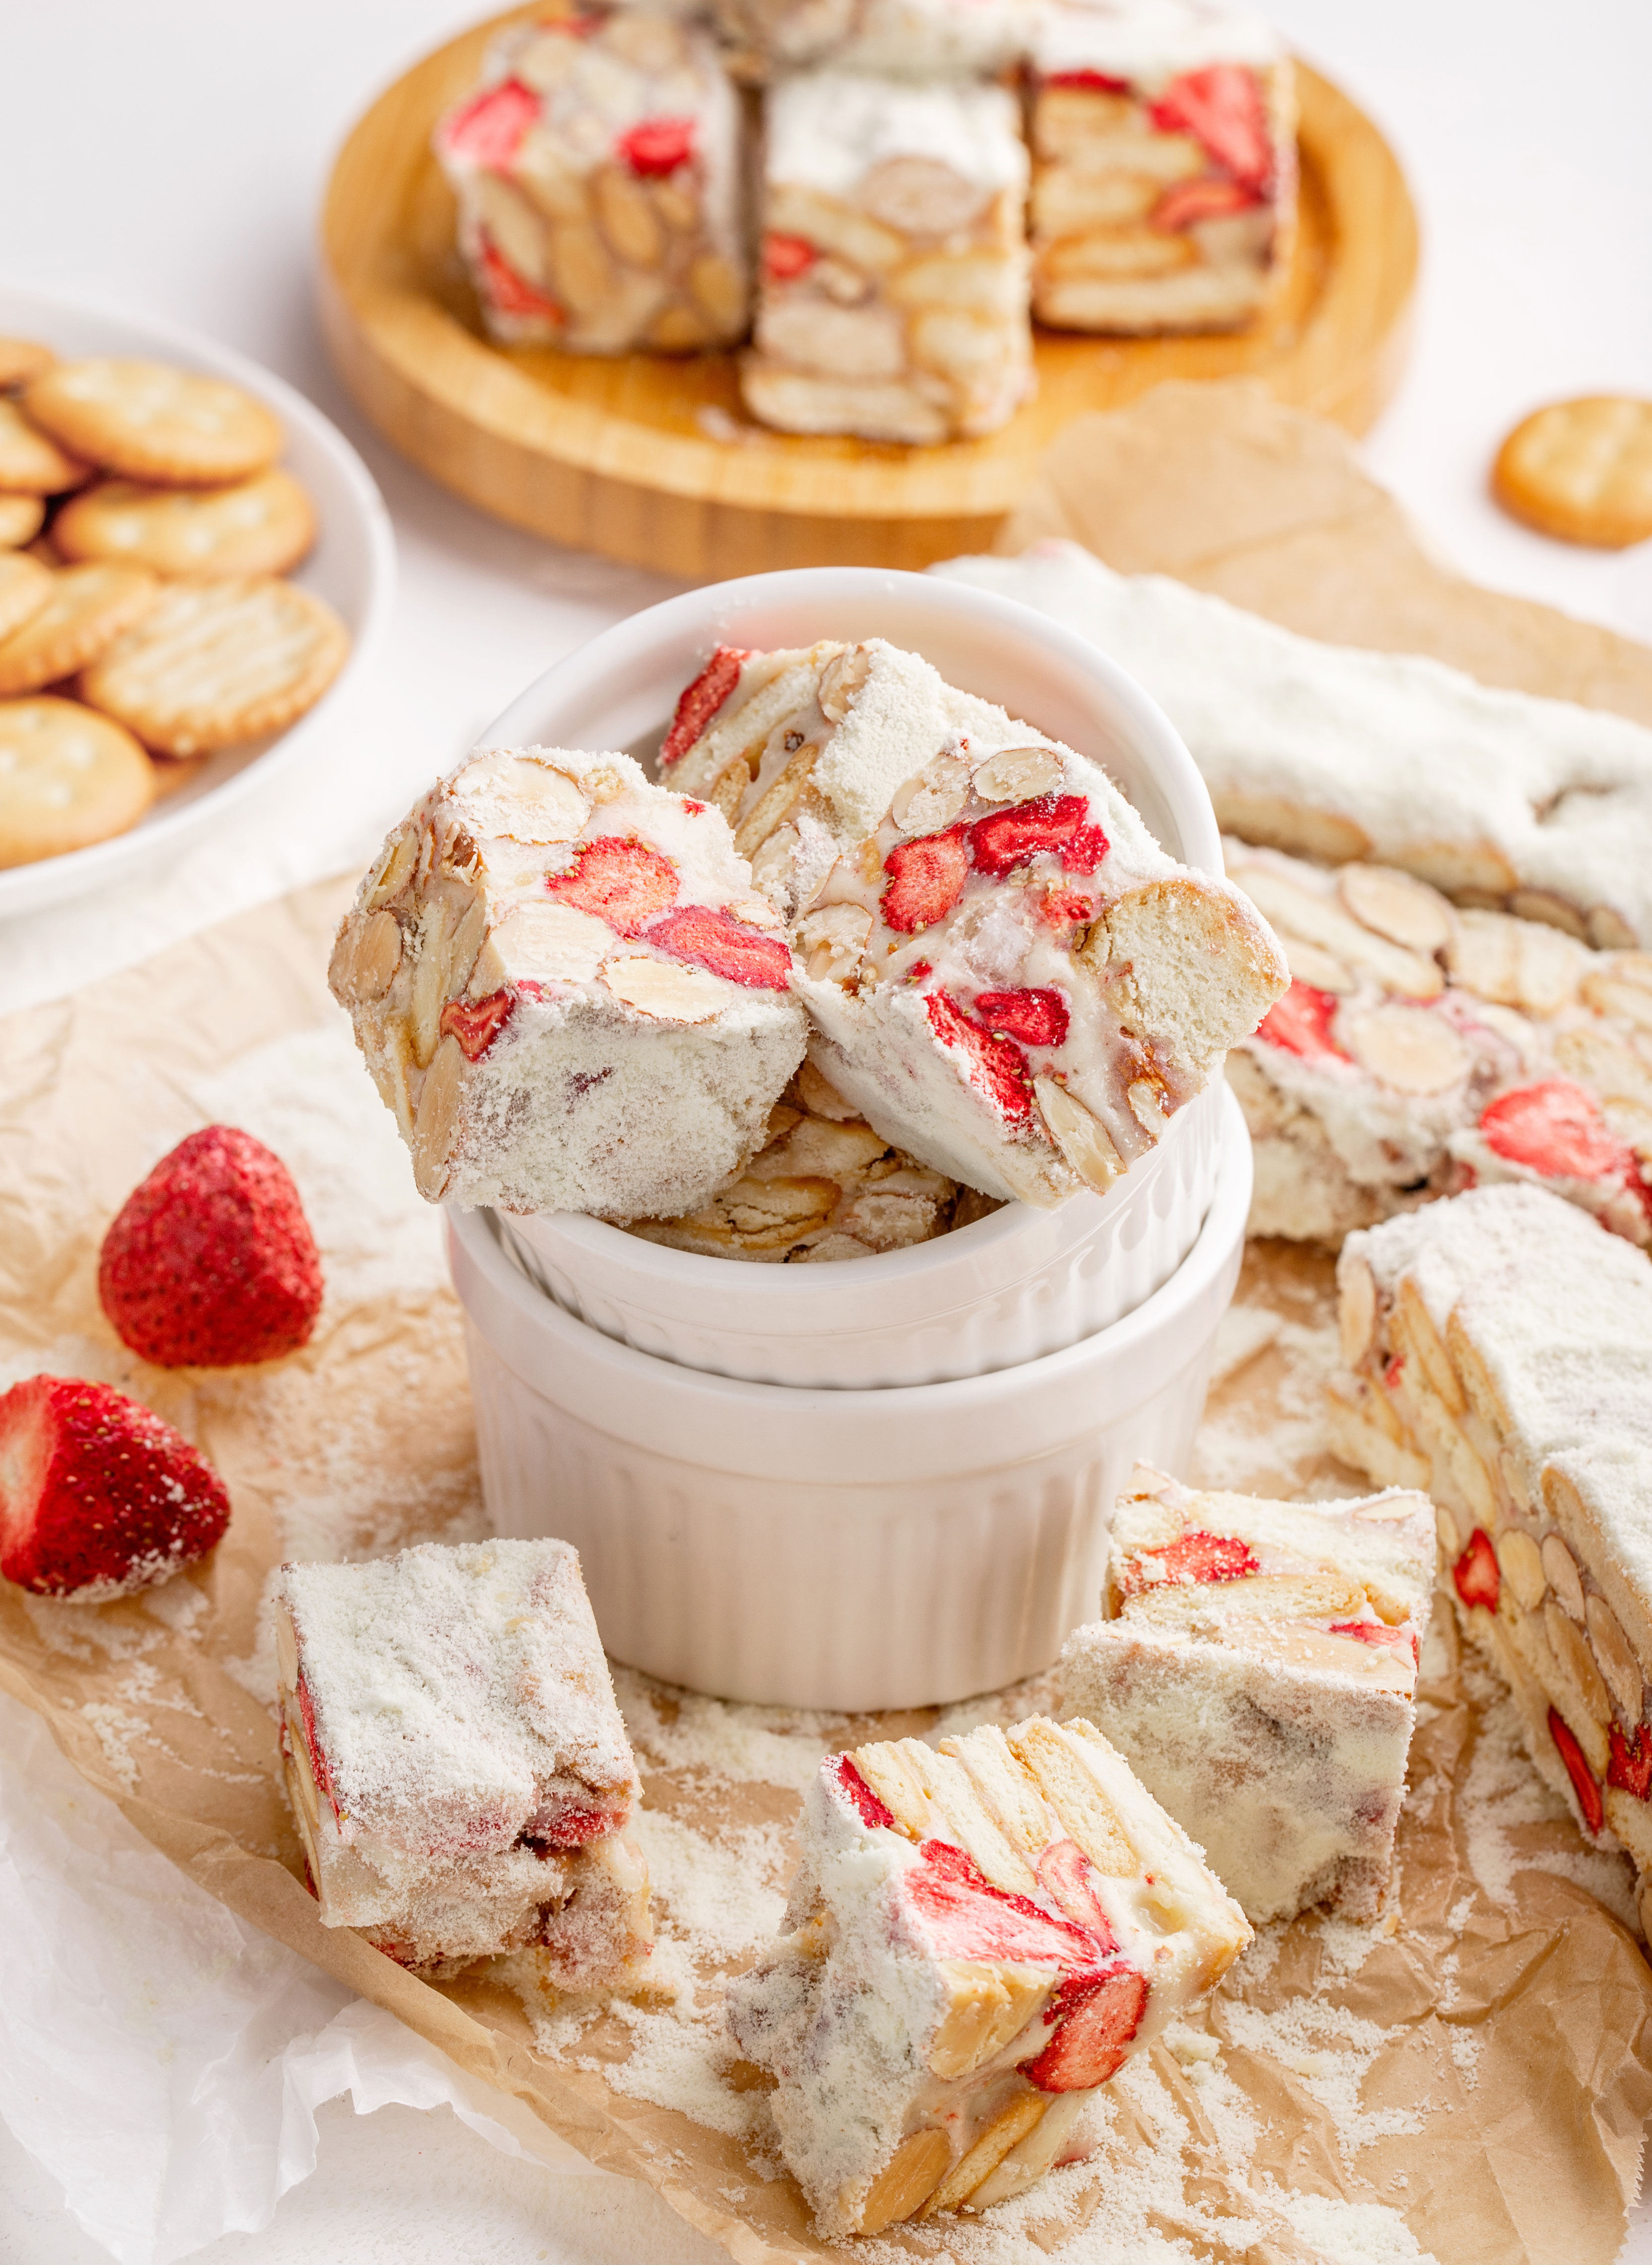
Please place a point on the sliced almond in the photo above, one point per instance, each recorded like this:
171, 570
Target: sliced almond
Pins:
1560, 1567
395, 865
1146, 1106
1521, 1563
1027, 2163
666, 990
1081, 1136
905, 2182
1616, 1658
1408, 1048
1567, 1643
520, 798
1407, 910
1450, 1540
1356, 1309
437, 1118
377, 955
1316, 919
840, 680
1608, 994
1608, 931
1017, 774
1550, 911
1008, 2129
988, 2004
832, 940
933, 799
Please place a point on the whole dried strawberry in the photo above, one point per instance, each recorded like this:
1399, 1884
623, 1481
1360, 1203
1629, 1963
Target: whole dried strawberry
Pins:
210, 1262
98, 1496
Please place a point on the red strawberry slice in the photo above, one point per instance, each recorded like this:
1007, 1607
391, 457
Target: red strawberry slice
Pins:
510, 293
1066, 908
1300, 1022
1067, 1877
621, 880
1097, 2015
785, 258
1630, 1767
1476, 1573
965, 1916
657, 146
1057, 823
1554, 1127
716, 940
1577, 1769
570, 1828
1093, 82
1186, 203
926, 879
1037, 1018
210, 1262
700, 700
99, 1497
1222, 107
476, 1023
1192, 1557
873, 1813
997, 1067
488, 130
321, 1768
1378, 1634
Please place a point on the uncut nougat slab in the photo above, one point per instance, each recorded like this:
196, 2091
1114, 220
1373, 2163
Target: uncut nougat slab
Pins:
1502, 1344
1164, 165
599, 175
892, 299
567, 989
456, 1764
1007, 976
1256, 1665
976, 1939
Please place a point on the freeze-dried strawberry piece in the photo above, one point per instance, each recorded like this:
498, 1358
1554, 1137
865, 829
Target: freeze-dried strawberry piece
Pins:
926, 879
1055, 822
1577, 1769
1554, 1127
1192, 1558
488, 131
99, 1497
1300, 1022
872, 1810
320, 1767
476, 1023
210, 1262
510, 292
621, 879
1093, 82
1098, 2016
570, 1828
785, 258
966, 1917
1067, 1877
1036, 1018
1630, 1767
716, 940
1185, 203
700, 700
1476, 1572
998, 1067
1066, 908
1222, 107
657, 146
1378, 1632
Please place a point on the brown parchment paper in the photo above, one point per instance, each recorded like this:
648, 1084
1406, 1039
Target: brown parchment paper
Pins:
1469, 2083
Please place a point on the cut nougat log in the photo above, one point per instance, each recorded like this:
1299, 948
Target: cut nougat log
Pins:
1510, 1343
894, 292
599, 175
977, 1938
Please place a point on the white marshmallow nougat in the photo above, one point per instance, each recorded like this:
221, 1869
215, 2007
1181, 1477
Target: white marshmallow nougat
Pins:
456, 1763
1164, 165
1257, 1666
977, 1938
892, 38
1501, 1350
1008, 976
893, 294
599, 173
567, 989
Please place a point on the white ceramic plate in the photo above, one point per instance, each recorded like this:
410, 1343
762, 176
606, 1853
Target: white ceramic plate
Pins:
352, 567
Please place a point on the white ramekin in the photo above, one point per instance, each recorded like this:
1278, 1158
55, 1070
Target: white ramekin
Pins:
852, 1550
1012, 1287
1009, 1289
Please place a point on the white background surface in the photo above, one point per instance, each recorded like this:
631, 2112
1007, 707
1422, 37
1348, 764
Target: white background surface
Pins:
170, 155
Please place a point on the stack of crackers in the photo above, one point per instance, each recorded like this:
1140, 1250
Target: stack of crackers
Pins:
145, 526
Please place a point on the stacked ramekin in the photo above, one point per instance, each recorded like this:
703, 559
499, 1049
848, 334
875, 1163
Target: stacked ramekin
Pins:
888, 1481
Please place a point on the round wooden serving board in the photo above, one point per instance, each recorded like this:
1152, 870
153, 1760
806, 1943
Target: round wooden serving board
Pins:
612, 455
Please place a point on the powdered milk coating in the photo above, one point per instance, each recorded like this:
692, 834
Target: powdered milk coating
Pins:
886, 38
567, 989
1257, 1667
829, 128
1147, 41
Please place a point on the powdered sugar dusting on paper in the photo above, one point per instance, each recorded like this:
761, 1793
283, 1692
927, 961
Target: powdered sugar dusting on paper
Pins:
1233, 1451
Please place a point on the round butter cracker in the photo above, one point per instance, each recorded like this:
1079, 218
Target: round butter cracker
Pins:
31, 461
67, 778
85, 608
22, 359
214, 664
261, 526
146, 420
25, 586
1581, 470
20, 519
